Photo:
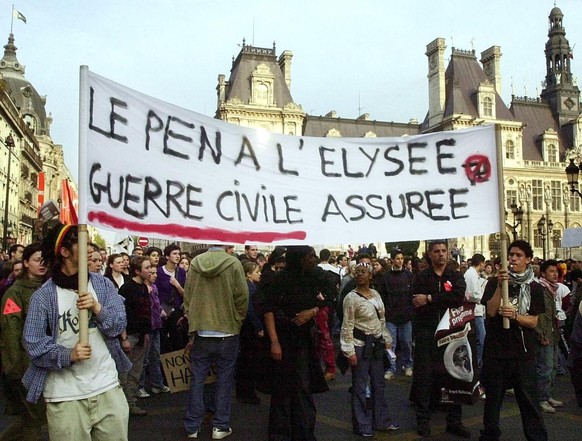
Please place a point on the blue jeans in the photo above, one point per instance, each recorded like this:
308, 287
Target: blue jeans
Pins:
152, 367
372, 371
480, 338
546, 363
206, 351
402, 342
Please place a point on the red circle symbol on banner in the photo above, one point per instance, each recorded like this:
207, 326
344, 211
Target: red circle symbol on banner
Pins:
143, 241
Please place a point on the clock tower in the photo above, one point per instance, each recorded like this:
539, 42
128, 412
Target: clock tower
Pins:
560, 90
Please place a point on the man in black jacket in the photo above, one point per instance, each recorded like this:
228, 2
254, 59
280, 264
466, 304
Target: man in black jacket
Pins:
395, 289
509, 354
434, 290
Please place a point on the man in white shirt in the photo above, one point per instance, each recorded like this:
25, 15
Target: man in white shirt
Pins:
474, 293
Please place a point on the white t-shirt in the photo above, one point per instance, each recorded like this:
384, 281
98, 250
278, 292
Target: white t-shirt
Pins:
83, 379
474, 291
562, 292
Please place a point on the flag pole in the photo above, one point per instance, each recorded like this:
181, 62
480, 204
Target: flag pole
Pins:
12, 19
502, 233
83, 234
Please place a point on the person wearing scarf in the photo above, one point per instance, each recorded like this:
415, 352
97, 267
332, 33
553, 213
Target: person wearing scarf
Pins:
79, 383
509, 354
548, 338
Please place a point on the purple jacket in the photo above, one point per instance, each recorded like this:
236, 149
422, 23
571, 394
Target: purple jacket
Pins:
166, 292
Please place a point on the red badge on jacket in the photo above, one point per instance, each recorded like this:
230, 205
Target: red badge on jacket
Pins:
448, 286
11, 307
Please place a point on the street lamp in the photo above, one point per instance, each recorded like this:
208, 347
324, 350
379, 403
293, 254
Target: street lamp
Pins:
9, 142
544, 232
572, 172
517, 218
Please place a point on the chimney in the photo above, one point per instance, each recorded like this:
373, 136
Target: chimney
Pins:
285, 65
221, 90
491, 60
435, 51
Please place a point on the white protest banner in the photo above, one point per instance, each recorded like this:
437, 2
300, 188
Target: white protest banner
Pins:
157, 170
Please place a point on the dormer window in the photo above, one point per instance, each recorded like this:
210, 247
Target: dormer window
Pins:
31, 123
486, 99
552, 153
262, 86
487, 107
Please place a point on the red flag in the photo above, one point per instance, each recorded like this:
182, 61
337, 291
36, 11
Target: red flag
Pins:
69, 200
40, 190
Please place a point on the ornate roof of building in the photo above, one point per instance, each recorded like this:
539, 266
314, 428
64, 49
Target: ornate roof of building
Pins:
249, 58
537, 116
463, 76
21, 91
356, 128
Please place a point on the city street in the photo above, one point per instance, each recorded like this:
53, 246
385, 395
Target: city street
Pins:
249, 423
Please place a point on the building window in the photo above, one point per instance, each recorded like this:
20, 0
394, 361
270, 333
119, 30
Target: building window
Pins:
556, 195
537, 194
487, 107
537, 238
510, 198
31, 123
509, 149
552, 153
262, 94
557, 238
574, 203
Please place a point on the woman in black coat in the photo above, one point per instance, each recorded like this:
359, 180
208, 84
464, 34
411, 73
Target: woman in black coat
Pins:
291, 305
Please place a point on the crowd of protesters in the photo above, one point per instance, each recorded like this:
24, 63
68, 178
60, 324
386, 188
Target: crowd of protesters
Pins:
281, 323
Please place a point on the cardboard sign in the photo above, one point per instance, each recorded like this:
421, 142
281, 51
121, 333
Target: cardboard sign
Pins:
178, 371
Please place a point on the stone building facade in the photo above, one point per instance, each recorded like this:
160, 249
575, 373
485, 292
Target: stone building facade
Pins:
536, 135
37, 166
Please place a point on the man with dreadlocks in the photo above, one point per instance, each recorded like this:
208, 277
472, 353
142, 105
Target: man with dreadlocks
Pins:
79, 383
509, 354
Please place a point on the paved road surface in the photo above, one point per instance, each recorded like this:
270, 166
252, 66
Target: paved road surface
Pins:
334, 418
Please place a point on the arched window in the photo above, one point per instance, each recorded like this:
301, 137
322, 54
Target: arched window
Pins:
262, 93
31, 123
509, 149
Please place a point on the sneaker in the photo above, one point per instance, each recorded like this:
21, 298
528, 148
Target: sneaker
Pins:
423, 429
482, 393
510, 392
459, 429
388, 428
220, 433
142, 393
546, 407
408, 372
389, 375
555, 403
329, 376
161, 390
137, 411
193, 435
